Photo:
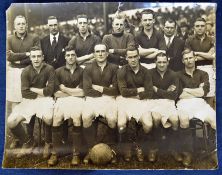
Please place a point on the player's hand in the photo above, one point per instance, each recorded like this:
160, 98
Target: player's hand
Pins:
141, 89
171, 88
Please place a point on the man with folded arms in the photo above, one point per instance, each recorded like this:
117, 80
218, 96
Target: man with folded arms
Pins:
37, 84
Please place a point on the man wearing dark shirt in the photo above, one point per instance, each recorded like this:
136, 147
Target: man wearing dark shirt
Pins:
84, 42
100, 88
150, 41
195, 85
18, 47
53, 45
68, 105
135, 85
174, 45
37, 84
118, 41
204, 51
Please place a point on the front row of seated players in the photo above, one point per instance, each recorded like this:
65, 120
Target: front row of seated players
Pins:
147, 103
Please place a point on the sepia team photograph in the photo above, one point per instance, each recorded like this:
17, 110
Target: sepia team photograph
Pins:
111, 85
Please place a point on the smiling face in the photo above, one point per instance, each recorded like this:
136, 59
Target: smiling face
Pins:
100, 53
162, 63
20, 25
147, 21
36, 58
118, 25
53, 26
70, 57
133, 58
82, 24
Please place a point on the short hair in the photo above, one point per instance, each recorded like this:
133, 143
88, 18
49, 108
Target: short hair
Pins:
107, 49
82, 16
35, 48
132, 48
148, 11
52, 17
170, 20
161, 54
200, 19
119, 17
187, 51
69, 48
20, 16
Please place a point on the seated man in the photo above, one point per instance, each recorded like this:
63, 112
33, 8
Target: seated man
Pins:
68, 105
165, 86
135, 85
100, 88
37, 83
195, 85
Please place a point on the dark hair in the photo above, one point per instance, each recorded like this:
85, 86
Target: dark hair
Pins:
161, 54
132, 48
200, 19
107, 49
148, 11
34, 48
52, 17
170, 20
82, 16
69, 48
186, 51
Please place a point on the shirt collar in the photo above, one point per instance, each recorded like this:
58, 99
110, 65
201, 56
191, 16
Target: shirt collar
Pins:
143, 33
167, 39
43, 66
130, 69
24, 36
67, 69
185, 73
89, 34
52, 37
96, 64
197, 37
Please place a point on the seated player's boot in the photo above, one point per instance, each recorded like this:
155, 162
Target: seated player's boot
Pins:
152, 155
114, 159
46, 151
15, 144
187, 159
127, 155
53, 160
177, 156
86, 159
26, 149
75, 160
139, 154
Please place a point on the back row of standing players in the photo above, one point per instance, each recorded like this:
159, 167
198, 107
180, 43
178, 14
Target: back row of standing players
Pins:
100, 77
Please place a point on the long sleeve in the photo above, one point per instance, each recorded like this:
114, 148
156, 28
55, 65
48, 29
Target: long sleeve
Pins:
25, 86
205, 80
148, 86
49, 89
87, 84
122, 84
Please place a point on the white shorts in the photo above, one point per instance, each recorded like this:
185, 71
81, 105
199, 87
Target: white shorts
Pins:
131, 107
196, 108
104, 106
69, 107
165, 107
41, 107
13, 84
212, 78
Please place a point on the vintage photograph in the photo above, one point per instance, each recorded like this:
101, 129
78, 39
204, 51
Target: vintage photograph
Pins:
111, 85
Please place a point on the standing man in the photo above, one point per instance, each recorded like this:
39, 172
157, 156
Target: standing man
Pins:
18, 52
134, 116
53, 45
195, 86
150, 41
203, 48
174, 45
118, 41
84, 42
100, 88
68, 105
37, 84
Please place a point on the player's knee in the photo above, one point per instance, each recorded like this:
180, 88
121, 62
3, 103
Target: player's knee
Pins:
156, 118
76, 120
57, 121
87, 121
184, 121
48, 120
121, 121
174, 121
13, 121
211, 122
